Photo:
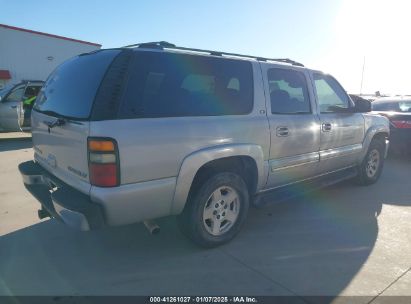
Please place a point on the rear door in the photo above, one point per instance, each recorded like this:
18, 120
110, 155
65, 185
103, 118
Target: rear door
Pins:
294, 125
68, 96
342, 130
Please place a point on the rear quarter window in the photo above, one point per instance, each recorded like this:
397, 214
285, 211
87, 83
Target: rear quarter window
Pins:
175, 85
385, 106
70, 89
395, 106
405, 106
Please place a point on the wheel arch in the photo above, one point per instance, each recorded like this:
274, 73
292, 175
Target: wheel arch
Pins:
376, 132
240, 158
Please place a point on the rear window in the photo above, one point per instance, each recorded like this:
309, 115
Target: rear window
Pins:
70, 89
173, 85
396, 106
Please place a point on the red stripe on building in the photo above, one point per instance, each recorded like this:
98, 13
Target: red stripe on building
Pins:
5, 74
48, 35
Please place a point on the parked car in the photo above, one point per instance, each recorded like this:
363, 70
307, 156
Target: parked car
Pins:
398, 111
13, 116
151, 130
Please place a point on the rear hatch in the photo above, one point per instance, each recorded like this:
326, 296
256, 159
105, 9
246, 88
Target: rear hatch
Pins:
61, 117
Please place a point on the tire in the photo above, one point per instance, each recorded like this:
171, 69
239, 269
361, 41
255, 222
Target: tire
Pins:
216, 210
371, 167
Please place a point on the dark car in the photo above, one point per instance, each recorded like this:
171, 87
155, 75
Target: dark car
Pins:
398, 111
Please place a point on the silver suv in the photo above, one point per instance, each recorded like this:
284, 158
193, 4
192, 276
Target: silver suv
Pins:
151, 130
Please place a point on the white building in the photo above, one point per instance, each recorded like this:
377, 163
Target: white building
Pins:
31, 55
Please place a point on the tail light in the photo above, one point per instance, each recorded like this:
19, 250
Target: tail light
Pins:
103, 162
401, 124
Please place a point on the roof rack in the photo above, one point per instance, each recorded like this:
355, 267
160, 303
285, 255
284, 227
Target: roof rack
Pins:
161, 45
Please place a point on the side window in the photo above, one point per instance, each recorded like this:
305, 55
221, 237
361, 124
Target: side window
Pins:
175, 85
331, 96
31, 91
387, 106
195, 83
288, 92
15, 95
405, 106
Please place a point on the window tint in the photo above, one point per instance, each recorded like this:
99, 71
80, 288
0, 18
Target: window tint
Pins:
405, 106
331, 96
385, 106
204, 84
288, 92
172, 85
397, 106
71, 88
15, 95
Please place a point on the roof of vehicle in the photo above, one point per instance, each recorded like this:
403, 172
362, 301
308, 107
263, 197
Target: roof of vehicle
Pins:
392, 99
25, 81
166, 46
11, 86
22, 82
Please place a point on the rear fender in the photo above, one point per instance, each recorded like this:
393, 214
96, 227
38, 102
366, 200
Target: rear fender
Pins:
193, 162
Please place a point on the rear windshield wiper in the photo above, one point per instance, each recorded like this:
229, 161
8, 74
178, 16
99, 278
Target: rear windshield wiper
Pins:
60, 119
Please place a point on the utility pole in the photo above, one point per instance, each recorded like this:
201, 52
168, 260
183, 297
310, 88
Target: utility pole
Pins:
362, 75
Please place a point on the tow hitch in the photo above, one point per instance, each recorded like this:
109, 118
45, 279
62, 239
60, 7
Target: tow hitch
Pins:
43, 213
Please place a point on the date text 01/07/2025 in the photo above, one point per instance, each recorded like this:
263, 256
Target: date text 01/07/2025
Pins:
239, 299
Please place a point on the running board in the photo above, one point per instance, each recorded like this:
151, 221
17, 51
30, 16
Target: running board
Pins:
296, 190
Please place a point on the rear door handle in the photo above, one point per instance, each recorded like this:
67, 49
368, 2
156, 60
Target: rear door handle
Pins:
326, 127
282, 131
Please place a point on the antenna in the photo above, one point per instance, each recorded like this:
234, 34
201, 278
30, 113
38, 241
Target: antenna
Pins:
362, 75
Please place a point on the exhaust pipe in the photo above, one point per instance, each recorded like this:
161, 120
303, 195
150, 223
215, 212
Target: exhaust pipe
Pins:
151, 226
43, 213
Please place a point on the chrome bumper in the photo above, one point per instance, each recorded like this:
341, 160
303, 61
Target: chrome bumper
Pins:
60, 200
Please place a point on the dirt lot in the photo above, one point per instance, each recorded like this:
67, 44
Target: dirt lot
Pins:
344, 240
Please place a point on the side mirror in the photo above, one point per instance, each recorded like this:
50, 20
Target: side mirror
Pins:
362, 106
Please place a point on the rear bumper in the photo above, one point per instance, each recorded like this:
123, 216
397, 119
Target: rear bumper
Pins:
60, 200
400, 140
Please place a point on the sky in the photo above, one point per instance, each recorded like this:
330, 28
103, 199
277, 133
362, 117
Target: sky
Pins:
339, 37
